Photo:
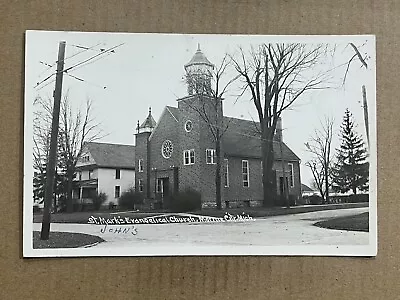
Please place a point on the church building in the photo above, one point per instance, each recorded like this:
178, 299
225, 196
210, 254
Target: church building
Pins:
178, 151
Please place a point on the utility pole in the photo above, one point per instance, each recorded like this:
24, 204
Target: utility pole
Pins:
365, 106
51, 163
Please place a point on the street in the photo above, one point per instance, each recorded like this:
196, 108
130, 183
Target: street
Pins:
291, 230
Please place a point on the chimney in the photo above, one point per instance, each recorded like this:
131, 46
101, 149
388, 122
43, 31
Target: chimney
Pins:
278, 132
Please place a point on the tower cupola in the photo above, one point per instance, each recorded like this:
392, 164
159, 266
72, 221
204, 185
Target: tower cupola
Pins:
148, 124
199, 73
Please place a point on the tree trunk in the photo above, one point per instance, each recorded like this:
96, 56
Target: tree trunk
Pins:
354, 190
267, 162
326, 185
70, 178
218, 173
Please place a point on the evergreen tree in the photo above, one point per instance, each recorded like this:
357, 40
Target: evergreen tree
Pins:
351, 170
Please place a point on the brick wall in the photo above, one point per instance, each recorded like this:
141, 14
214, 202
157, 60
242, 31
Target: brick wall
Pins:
162, 167
236, 192
294, 190
141, 142
200, 176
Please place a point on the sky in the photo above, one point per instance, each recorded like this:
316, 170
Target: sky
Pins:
147, 71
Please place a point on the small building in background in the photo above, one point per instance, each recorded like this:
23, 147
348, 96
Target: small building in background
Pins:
104, 168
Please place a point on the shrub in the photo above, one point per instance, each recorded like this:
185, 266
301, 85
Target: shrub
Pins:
129, 198
315, 200
98, 200
356, 198
280, 201
185, 201
111, 205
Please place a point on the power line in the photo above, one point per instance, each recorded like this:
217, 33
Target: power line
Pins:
43, 86
93, 57
73, 55
47, 78
83, 80
84, 50
88, 63
84, 62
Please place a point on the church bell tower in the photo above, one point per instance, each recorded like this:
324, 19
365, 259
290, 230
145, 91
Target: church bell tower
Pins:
199, 74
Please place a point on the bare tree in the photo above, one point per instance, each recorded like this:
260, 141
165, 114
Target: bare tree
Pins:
41, 145
210, 95
320, 146
76, 128
277, 75
41, 136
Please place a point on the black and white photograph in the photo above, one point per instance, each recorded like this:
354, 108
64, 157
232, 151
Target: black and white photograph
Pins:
147, 144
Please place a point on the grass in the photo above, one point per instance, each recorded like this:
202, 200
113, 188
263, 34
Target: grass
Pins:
64, 240
352, 223
255, 212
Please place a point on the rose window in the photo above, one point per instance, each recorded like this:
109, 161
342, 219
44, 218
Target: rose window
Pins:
167, 148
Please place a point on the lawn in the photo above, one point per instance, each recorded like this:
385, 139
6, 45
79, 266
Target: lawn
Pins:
64, 240
353, 223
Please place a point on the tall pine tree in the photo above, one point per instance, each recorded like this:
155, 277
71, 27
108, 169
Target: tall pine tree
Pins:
351, 170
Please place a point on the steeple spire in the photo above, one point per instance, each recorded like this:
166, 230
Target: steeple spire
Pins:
148, 124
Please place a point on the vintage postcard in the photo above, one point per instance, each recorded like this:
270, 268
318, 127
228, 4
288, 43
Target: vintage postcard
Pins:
178, 144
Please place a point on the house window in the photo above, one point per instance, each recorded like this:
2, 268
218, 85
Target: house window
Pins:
80, 175
117, 191
210, 156
117, 173
140, 165
291, 175
90, 174
188, 157
85, 158
140, 185
226, 173
245, 173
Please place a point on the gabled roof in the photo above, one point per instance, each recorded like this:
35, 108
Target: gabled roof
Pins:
242, 139
112, 155
306, 188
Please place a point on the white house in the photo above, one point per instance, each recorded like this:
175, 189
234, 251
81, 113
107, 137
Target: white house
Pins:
108, 168
306, 191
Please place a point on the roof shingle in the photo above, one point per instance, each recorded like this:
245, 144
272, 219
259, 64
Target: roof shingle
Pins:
112, 155
242, 139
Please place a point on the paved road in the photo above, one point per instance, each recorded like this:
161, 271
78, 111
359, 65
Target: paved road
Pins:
293, 230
